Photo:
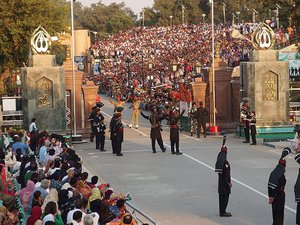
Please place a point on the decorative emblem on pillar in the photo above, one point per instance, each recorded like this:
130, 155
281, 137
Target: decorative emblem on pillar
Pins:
270, 88
40, 40
44, 93
263, 37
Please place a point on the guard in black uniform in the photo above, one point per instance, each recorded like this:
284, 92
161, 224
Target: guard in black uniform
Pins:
253, 127
246, 119
174, 130
155, 133
224, 184
117, 132
99, 130
297, 184
276, 187
297, 192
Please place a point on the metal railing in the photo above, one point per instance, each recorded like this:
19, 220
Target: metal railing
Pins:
140, 216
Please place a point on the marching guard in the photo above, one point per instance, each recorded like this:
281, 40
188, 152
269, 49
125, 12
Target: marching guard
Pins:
155, 133
135, 112
174, 130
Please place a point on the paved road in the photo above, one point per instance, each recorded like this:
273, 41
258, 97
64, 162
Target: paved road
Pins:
181, 190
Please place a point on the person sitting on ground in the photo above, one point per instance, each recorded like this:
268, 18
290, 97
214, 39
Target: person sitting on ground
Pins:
19, 144
37, 199
35, 216
94, 181
51, 214
77, 217
24, 194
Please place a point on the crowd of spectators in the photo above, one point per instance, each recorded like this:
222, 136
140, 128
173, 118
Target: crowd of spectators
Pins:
147, 54
47, 185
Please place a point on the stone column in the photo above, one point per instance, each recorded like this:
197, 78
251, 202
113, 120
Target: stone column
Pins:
69, 86
199, 91
43, 93
90, 93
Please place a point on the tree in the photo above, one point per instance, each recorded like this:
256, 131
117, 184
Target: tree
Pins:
19, 18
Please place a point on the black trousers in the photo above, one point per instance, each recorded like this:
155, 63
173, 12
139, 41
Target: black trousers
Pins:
173, 144
100, 141
113, 146
253, 134
160, 143
298, 214
278, 216
118, 147
203, 125
223, 202
247, 134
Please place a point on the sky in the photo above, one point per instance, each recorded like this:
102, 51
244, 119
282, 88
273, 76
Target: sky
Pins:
135, 5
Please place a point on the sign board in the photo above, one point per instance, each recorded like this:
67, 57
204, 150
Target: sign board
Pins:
9, 104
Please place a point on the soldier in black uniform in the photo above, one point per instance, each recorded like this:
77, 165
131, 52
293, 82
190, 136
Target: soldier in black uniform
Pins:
201, 119
91, 117
99, 130
117, 132
297, 184
174, 130
253, 127
246, 119
224, 184
155, 133
297, 192
276, 187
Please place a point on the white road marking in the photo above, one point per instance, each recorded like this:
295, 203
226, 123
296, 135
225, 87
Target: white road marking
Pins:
213, 169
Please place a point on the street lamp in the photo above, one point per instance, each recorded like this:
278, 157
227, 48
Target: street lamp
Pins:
203, 17
73, 70
198, 68
238, 15
171, 20
18, 83
174, 66
150, 64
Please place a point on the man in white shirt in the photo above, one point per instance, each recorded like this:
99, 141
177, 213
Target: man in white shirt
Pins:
32, 126
78, 207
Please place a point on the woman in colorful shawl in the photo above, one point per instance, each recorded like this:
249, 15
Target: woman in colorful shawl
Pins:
24, 193
83, 189
96, 195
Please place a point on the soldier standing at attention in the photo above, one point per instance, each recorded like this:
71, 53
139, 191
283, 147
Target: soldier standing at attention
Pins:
252, 121
201, 119
117, 132
224, 184
155, 133
276, 187
246, 119
99, 130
